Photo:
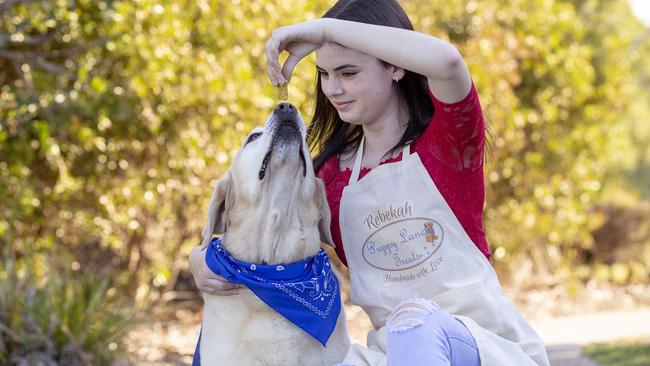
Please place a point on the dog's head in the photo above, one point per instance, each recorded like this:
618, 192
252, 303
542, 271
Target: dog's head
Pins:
269, 206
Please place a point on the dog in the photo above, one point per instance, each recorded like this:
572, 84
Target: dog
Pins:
269, 209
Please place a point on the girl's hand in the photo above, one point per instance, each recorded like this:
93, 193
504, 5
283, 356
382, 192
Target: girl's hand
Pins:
299, 40
205, 279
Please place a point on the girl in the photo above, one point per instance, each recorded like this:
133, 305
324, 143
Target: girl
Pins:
399, 134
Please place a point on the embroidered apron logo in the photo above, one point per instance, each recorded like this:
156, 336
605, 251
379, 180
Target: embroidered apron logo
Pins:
403, 244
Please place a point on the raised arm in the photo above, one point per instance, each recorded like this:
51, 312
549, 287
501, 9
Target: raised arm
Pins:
439, 61
427, 55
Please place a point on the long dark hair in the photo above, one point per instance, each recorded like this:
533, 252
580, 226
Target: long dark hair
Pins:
328, 134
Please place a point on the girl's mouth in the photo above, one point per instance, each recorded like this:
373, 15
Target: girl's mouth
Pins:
343, 106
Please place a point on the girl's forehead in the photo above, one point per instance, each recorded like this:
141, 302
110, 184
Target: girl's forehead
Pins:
332, 55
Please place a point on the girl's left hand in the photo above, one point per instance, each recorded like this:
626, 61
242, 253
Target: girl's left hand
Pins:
299, 40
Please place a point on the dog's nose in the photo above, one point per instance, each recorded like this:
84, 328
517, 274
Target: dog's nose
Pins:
285, 109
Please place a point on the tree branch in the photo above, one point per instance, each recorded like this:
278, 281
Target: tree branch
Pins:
51, 67
23, 55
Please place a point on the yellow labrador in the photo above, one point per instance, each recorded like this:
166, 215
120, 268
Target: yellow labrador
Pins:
270, 209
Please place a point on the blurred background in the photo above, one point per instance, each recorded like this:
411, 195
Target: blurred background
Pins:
117, 118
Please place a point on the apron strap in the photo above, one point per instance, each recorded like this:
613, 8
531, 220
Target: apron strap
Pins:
356, 167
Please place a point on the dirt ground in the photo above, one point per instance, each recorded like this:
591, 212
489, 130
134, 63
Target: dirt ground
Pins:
169, 337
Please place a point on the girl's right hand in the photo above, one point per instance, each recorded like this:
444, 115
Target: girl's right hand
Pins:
206, 280
299, 40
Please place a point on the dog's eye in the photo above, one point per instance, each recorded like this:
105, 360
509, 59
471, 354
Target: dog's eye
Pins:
252, 137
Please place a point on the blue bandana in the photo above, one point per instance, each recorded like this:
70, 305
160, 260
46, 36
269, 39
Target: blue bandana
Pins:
305, 292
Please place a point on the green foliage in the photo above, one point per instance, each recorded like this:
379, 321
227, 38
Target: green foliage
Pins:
117, 117
59, 315
118, 148
620, 354
557, 86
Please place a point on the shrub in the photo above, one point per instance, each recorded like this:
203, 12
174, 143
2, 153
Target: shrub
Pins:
53, 314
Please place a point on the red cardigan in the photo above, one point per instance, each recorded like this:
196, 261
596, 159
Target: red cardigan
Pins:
451, 149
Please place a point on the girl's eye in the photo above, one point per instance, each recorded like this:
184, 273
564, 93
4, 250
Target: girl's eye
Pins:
252, 137
348, 74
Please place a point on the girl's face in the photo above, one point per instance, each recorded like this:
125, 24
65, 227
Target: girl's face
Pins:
359, 86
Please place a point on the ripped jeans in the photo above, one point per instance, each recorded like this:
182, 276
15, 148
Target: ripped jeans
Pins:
421, 333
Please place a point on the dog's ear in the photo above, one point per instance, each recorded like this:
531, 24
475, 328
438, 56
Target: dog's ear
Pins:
324, 209
217, 209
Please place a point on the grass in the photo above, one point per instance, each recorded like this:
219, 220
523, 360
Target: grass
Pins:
620, 354
59, 317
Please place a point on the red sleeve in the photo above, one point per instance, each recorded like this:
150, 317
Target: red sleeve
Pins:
456, 134
451, 149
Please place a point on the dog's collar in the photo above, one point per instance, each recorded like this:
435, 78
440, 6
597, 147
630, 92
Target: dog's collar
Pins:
305, 292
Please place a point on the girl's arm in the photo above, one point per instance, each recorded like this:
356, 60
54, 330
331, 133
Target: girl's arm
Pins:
439, 61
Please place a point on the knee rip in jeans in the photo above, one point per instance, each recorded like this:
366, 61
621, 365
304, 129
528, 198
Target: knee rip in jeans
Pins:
410, 314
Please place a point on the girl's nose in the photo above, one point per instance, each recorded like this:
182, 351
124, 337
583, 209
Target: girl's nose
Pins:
332, 87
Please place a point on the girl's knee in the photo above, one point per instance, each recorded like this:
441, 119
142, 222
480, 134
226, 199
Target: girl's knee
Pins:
421, 333
410, 314
415, 336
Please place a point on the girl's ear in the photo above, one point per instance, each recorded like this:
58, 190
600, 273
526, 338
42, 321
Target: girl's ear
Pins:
398, 73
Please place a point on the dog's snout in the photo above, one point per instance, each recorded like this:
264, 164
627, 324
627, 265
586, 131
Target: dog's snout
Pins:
286, 109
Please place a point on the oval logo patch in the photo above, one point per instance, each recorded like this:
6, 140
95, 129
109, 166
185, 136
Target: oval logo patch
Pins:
403, 244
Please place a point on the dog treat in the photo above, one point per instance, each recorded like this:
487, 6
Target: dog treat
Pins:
282, 92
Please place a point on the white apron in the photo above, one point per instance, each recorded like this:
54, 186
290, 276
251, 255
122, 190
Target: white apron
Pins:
402, 240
